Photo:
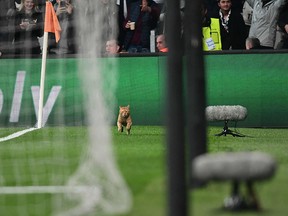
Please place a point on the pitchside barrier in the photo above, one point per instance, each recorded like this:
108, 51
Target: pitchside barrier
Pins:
257, 81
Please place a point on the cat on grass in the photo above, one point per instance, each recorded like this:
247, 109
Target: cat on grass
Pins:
124, 119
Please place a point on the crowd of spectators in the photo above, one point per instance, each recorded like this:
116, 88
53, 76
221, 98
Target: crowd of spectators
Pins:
227, 25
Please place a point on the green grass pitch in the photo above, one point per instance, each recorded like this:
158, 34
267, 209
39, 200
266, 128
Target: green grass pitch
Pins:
141, 158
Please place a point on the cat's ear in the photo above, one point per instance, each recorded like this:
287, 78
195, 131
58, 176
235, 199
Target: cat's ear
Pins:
128, 106
120, 107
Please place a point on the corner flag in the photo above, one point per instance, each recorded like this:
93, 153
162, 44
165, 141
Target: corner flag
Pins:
51, 22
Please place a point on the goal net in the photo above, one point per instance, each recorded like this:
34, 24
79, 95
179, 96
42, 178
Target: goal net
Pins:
68, 167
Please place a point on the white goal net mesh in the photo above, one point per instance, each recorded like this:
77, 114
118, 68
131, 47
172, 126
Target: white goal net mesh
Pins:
68, 166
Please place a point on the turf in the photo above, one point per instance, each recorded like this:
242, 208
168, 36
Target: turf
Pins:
144, 167
141, 158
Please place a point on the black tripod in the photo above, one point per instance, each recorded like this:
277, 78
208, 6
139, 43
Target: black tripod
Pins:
226, 131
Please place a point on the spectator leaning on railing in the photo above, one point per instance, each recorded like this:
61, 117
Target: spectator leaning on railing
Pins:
161, 43
112, 47
252, 43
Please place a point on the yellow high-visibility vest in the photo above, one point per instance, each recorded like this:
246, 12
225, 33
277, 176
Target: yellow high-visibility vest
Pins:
212, 36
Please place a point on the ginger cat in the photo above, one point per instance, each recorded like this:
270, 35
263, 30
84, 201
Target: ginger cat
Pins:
124, 119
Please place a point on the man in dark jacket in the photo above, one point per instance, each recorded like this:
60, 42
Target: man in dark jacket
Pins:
233, 30
138, 18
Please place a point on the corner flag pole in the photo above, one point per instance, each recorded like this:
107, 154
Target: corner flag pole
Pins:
42, 79
51, 24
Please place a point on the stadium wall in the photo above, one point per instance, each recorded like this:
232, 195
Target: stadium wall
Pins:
257, 81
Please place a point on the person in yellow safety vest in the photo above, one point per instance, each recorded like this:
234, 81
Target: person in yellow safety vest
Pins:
210, 32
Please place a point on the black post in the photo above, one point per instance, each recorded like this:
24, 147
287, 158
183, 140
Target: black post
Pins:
177, 189
195, 82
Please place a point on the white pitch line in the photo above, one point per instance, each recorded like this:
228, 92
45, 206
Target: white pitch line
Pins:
17, 134
48, 189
